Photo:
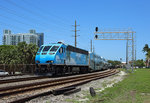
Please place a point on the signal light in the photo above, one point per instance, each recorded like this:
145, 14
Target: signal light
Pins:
49, 61
37, 61
96, 29
96, 36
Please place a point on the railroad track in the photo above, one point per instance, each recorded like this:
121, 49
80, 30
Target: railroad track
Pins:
22, 93
22, 79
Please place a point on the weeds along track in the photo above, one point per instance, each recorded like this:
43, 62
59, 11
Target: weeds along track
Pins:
22, 93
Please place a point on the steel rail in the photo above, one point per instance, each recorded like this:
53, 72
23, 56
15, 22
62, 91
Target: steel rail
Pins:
45, 82
22, 79
8, 91
22, 100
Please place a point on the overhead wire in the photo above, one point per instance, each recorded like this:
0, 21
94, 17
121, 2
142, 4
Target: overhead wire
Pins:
12, 26
16, 27
22, 16
18, 21
27, 17
32, 13
60, 19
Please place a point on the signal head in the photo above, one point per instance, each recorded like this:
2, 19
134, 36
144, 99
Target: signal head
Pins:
96, 36
96, 29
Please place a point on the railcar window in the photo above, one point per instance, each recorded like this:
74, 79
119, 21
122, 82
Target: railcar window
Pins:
40, 48
54, 48
46, 48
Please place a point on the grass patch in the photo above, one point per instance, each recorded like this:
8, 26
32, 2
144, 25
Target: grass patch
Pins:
47, 101
133, 89
104, 84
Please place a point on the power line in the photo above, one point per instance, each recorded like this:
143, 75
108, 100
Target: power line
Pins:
18, 21
52, 15
20, 28
12, 26
25, 17
31, 12
22, 16
18, 15
16, 27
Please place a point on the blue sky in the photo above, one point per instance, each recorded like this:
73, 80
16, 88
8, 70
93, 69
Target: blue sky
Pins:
55, 19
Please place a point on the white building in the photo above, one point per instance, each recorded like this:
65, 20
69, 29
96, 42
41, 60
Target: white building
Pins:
31, 37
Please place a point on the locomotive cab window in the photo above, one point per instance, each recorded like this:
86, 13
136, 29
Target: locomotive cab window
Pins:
61, 50
54, 48
40, 48
46, 48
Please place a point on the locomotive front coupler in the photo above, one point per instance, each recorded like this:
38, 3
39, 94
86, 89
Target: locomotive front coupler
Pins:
50, 67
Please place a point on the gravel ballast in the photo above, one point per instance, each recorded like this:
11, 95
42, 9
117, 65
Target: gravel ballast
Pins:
99, 85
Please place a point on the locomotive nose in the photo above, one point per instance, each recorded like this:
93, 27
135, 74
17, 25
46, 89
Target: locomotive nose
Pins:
44, 59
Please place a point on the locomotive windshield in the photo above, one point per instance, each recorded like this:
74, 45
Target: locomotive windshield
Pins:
54, 48
40, 48
46, 48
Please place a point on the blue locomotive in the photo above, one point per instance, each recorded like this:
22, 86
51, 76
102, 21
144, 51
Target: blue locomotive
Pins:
58, 58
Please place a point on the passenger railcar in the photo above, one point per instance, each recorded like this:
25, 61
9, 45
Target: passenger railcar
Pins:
58, 58
95, 62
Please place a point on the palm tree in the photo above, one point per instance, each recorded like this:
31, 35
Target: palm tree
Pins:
27, 52
31, 52
147, 50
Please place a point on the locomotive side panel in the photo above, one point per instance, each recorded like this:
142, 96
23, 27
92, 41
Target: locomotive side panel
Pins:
76, 56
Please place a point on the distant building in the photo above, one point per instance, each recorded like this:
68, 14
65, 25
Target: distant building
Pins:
31, 37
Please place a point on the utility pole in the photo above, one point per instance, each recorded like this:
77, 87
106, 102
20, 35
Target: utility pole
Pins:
127, 55
94, 55
76, 33
135, 52
91, 46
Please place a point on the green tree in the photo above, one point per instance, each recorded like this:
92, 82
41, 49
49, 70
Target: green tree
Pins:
139, 63
21, 54
147, 50
8, 54
22, 51
26, 53
114, 63
31, 52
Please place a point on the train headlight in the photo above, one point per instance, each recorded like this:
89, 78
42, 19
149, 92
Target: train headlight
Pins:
37, 61
49, 61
